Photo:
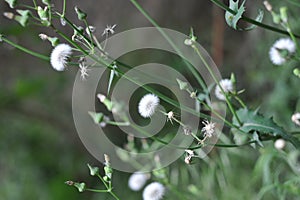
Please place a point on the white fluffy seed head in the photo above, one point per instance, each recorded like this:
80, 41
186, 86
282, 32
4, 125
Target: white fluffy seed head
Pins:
283, 44
296, 118
227, 86
154, 191
279, 144
148, 105
59, 56
137, 180
208, 129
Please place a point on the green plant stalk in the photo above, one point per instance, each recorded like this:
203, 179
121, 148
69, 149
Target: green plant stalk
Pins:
240, 101
108, 187
34, 3
217, 82
95, 190
153, 22
38, 55
64, 7
249, 20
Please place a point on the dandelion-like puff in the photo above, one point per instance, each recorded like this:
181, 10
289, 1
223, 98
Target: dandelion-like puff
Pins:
227, 86
276, 52
154, 191
137, 180
59, 56
148, 105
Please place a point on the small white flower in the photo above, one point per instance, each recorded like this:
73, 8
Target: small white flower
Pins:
154, 191
227, 86
137, 180
148, 105
59, 56
296, 118
208, 129
279, 144
83, 70
276, 52
109, 29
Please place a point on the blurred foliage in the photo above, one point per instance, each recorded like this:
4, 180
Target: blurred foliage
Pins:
40, 149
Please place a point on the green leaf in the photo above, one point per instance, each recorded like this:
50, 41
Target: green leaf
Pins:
259, 18
252, 121
11, 3
232, 19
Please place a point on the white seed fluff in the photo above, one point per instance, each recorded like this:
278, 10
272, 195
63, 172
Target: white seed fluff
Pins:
279, 144
59, 56
281, 45
137, 180
296, 118
227, 86
148, 105
154, 191
208, 129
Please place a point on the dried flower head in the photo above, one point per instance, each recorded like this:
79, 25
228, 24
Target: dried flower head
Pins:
188, 157
154, 191
9, 15
187, 130
59, 56
208, 129
279, 144
137, 180
148, 105
296, 118
109, 29
281, 51
83, 68
227, 86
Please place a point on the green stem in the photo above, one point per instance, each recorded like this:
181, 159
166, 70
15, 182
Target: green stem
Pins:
240, 101
95, 190
64, 7
24, 49
249, 20
34, 3
118, 123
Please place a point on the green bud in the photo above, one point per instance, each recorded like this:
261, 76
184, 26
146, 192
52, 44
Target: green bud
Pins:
1, 37
108, 103
81, 15
93, 170
232, 79
276, 18
182, 85
97, 117
43, 13
80, 186
108, 171
296, 71
54, 41
23, 18
283, 14
12, 3
105, 178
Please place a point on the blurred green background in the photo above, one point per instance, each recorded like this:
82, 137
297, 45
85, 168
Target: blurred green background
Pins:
40, 148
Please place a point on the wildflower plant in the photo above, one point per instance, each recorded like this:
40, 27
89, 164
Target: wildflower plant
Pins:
184, 120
